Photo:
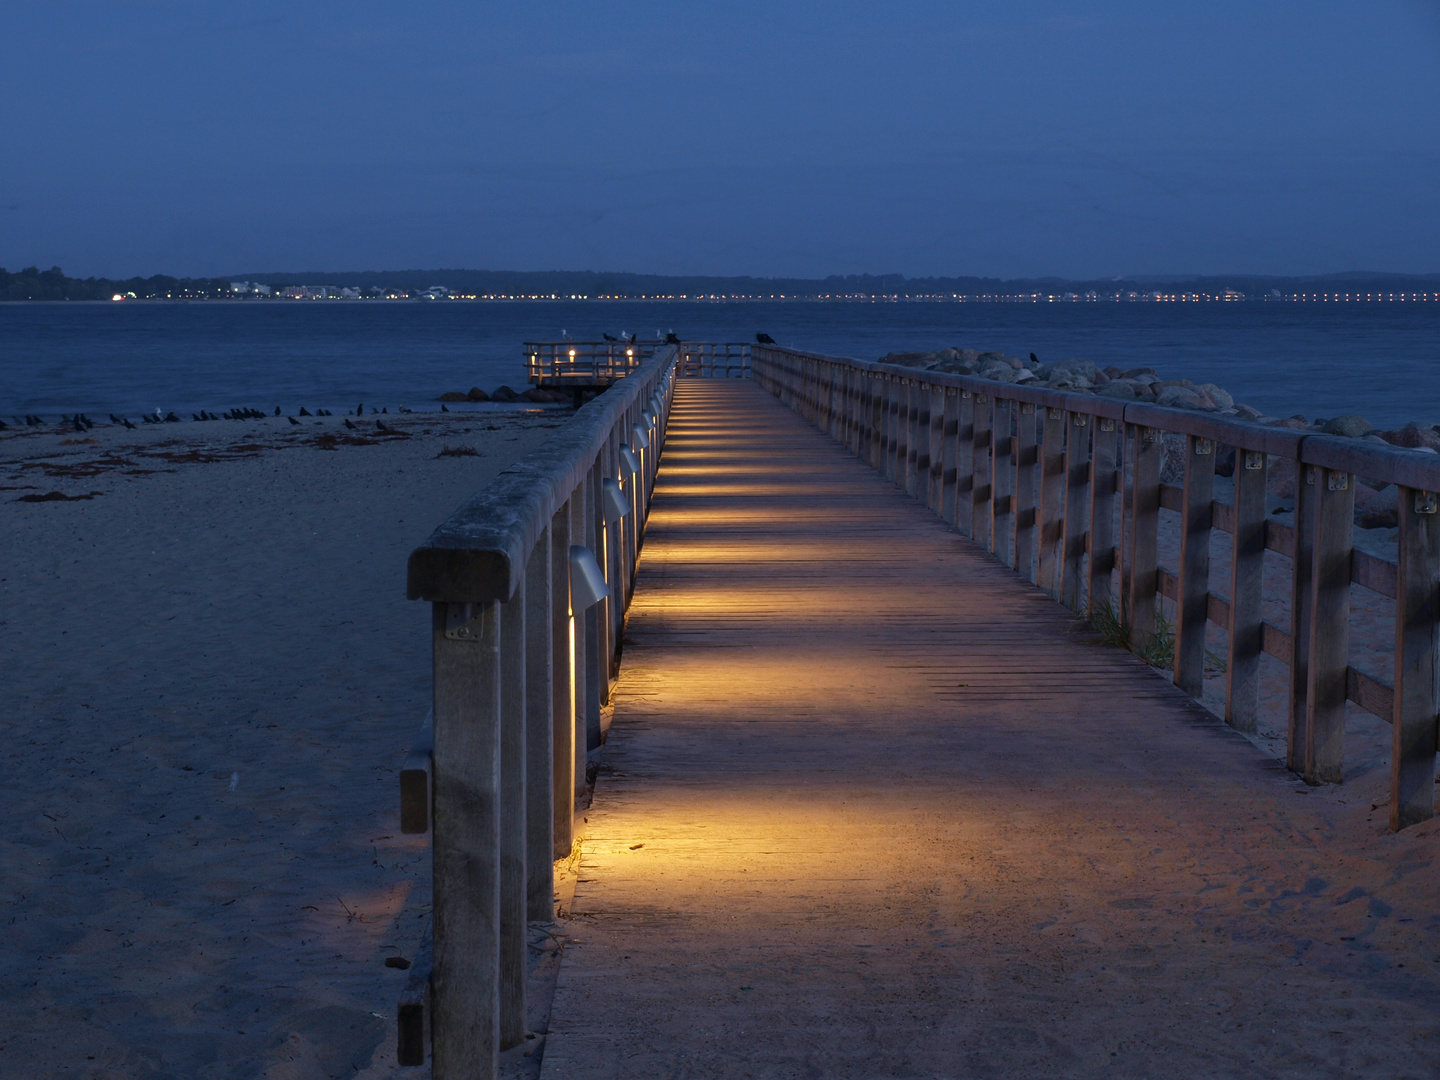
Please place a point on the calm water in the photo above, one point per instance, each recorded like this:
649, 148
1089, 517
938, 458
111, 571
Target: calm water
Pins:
1377, 359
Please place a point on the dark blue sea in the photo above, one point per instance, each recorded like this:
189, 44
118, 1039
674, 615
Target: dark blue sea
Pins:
1378, 359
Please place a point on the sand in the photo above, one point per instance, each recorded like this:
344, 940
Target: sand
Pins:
211, 677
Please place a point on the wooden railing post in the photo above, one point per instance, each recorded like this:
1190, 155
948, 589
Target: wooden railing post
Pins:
935, 496
948, 473
887, 437
1193, 604
965, 465
1145, 525
1103, 459
466, 844
1051, 558
1329, 628
1077, 511
1306, 500
982, 488
539, 733
1025, 501
513, 838
1247, 566
917, 439
1002, 521
875, 420
1417, 660
595, 665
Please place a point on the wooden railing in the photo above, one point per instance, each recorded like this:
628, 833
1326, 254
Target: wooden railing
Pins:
528, 583
577, 364
722, 360
1067, 489
565, 364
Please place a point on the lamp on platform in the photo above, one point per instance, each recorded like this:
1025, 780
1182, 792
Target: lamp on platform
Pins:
616, 505
587, 583
629, 462
641, 440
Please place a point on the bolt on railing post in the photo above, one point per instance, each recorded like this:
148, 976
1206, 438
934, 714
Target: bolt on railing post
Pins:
1247, 567
1325, 690
466, 840
1417, 660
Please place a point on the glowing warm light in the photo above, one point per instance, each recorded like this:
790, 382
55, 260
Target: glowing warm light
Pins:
118, 296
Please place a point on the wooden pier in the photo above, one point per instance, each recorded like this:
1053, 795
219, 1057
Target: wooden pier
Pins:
872, 801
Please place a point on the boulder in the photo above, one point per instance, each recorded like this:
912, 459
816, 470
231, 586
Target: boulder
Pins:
1113, 372
454, 395
1381, 510
1135, 372
1350, 426
1293, 423
1178, 397
1281, 477
476, 394
541, 396
1247, 412
1412, 437
998, 370
504, 393
1220, 396
1118, 388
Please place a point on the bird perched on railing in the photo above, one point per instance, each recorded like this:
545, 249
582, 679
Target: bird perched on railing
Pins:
671, 338
609, 337
764, 339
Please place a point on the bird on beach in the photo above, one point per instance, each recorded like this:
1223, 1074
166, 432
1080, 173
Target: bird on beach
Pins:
303, 411
380, 426
764, 339
360, 410
196, 416
114, 419
349, 425
78, 425
128, 424
444, 409
293, 420
277, 410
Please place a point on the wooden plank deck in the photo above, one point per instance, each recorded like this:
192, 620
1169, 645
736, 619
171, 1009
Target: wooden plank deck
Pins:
871, 807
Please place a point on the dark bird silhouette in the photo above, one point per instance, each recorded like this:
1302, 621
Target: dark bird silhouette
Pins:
128, 424
671, 338
444, 409
380, 426
609, 337
764, 339
1034, 359
277, 410
360, 410
3, 425
196, 416
171, 418
78, 425
114, 419
293, 420
386, 410
349, 425
303, 412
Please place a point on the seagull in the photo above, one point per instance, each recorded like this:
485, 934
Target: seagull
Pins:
764, 339
293, 420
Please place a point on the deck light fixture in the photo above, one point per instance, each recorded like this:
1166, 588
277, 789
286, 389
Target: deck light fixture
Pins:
587, 583
616, 505
629, 462
641, 440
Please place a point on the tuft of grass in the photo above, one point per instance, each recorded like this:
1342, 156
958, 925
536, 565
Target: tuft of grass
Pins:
458, 451
1114, 631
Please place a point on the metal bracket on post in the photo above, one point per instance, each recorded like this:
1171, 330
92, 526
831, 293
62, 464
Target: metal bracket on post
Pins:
1203, 447
1426, 502
1254, 460
1338, 481
462, 621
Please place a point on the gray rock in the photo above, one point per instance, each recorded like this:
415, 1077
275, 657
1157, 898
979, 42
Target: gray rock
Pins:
1412, 437
1118, 388
1248, 412
1178, 397
997, 370
1350, 426
1221, 397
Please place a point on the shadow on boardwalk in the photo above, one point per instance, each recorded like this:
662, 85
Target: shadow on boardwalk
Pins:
869, 808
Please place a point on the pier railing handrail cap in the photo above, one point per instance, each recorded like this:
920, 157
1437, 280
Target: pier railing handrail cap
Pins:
479, 552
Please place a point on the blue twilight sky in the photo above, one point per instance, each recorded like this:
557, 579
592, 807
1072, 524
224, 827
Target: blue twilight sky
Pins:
924, 137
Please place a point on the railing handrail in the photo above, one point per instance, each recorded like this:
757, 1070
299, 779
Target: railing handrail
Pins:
479, 552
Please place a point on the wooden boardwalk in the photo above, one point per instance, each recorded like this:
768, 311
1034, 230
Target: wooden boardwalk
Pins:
870, 807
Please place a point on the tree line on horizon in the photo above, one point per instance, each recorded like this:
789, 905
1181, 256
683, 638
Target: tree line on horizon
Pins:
32, 283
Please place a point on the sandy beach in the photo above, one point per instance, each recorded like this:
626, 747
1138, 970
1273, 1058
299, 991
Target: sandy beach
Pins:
211, 677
